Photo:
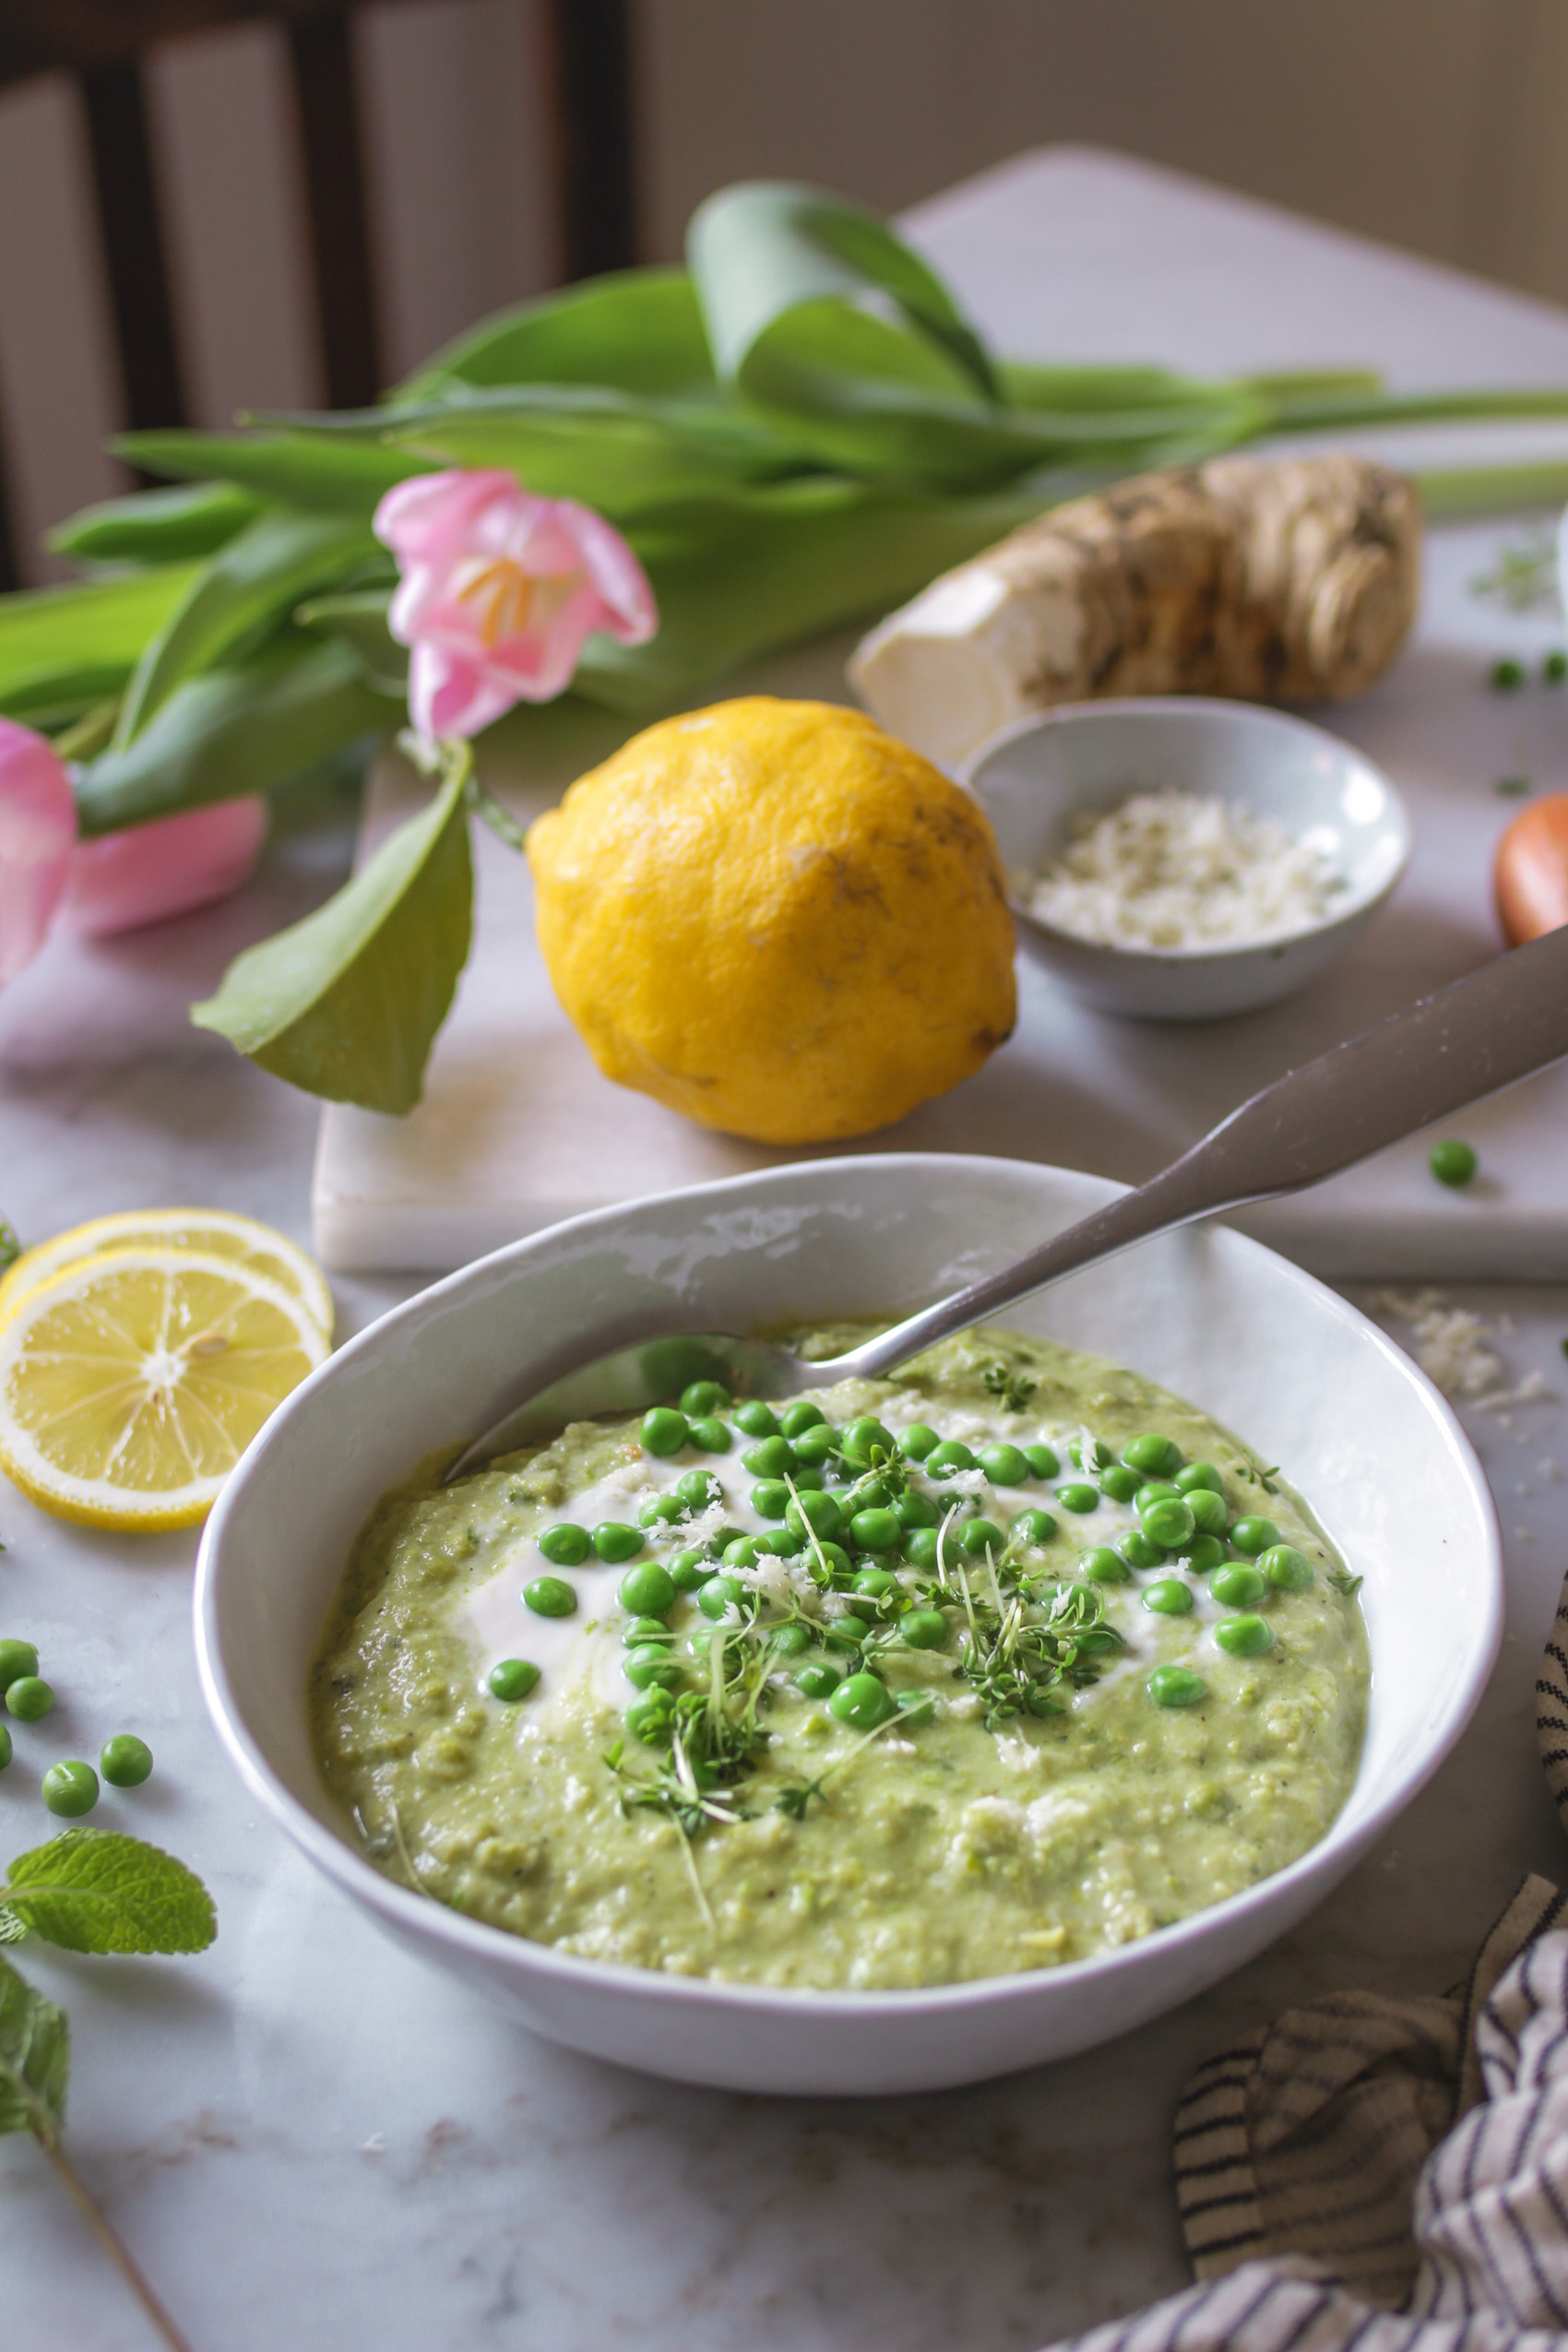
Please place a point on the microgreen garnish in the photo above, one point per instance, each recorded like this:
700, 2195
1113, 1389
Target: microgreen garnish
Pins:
1013, 1389
1017, 1664
797, 1795
1343, 1582
1523, 574
1256, 1475
88, 1891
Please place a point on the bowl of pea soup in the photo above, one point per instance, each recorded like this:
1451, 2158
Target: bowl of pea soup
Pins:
880, 1740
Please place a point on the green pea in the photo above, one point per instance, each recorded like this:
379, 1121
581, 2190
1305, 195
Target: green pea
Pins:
978, 1535
871, 1494
1099, 1457
875, 1583
816, 1445
1207, 1508
126, 1761
661, 1511
1120, 1483
743, 1552
1244, 1636
70, 1789
1042, 1461
720, 1593
1156, 1491
1554, 669
702, 1398
731, 1640
1003, 1465
1137, 1552
511, 1678
28, 1698
648, 1590
1167, 1597
1157, 1457
664, 1430
1203, 1553
865, 1442
862, 1703
1507, 674
1199, 1473
1287, 1570
1252, 1536
924, 1628
757, 1418
16, 1659
1168, 1522
782, 1542
1033, 1528
770, 1498
915, 1703
698, 1490
950, 1455
813, 1513
644, 1629
816, 1681
1078, 1497
1453, 1163
837, 1559
807, 1475
614, 1542
1238, 1584
566, 1545
874, 1530
919, 1440
711, 1436
1176, 1686
846, 1632
5, 1744
912, 1509
690, 1569
919, 1547
547, 1597
650, 1663
789, 1641
1102, 1566
800, 1416
769, 1458
651, 1719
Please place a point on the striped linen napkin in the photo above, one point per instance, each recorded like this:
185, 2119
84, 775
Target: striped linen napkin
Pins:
1387, 2174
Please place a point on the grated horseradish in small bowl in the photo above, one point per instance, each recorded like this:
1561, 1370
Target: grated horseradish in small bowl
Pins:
1185, 858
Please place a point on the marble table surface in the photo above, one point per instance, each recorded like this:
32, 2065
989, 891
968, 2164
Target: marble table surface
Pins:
309, 2139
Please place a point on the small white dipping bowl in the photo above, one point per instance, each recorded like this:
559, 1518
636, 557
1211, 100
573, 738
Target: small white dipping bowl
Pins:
1217, 1318
1033, 781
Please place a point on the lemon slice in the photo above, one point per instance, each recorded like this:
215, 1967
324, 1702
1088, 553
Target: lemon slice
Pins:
131, 1383
210, 1232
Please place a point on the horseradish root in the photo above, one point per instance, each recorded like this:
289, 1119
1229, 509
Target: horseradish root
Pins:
1286, 580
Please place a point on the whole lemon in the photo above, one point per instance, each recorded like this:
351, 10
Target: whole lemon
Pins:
776, 918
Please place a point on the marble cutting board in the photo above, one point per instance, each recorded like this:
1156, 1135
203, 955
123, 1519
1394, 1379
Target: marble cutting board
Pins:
1074, 254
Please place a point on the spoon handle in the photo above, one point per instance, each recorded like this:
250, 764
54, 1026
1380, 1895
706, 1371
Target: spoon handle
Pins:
1497, 1025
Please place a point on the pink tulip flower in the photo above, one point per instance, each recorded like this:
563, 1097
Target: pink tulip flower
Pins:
499, 590
176, 864
38, 831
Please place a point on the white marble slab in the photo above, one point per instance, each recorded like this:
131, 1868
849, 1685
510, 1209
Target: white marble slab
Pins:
1076, 256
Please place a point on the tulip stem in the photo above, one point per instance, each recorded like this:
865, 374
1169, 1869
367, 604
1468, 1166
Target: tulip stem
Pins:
498, 819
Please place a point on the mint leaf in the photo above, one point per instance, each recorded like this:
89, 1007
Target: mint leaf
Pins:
96, 1890
12, 1930
347, 1004
35, 2056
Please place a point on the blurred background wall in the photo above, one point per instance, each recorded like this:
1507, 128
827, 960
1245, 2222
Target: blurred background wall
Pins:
1434, 123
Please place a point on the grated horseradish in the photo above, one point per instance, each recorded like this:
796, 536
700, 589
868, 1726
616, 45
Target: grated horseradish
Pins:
1174, 869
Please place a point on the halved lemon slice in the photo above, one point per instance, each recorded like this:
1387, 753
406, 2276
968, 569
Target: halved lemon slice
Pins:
131, 1383
209, 1232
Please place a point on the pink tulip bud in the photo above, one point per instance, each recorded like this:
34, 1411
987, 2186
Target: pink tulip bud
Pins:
499, 590
176, 863
38, 829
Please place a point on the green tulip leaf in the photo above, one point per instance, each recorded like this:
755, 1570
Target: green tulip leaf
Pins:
62, 650
321, 473
156, 526
359, 623
347, 1002
634, 330
237, 729
237, 599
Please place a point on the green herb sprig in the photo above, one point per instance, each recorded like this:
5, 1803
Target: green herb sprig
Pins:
1018, 1665
1012, 1389
88, 1890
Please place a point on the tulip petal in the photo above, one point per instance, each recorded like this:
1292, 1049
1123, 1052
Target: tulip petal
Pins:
38, 831
148, 872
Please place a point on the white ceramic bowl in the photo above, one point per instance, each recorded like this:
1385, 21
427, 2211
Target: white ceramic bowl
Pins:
1217, 1318
1035, 779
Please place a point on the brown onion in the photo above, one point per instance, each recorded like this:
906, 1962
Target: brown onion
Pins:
1531, 874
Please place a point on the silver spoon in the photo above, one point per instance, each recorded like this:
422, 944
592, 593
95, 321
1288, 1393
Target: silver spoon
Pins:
1440, 1053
